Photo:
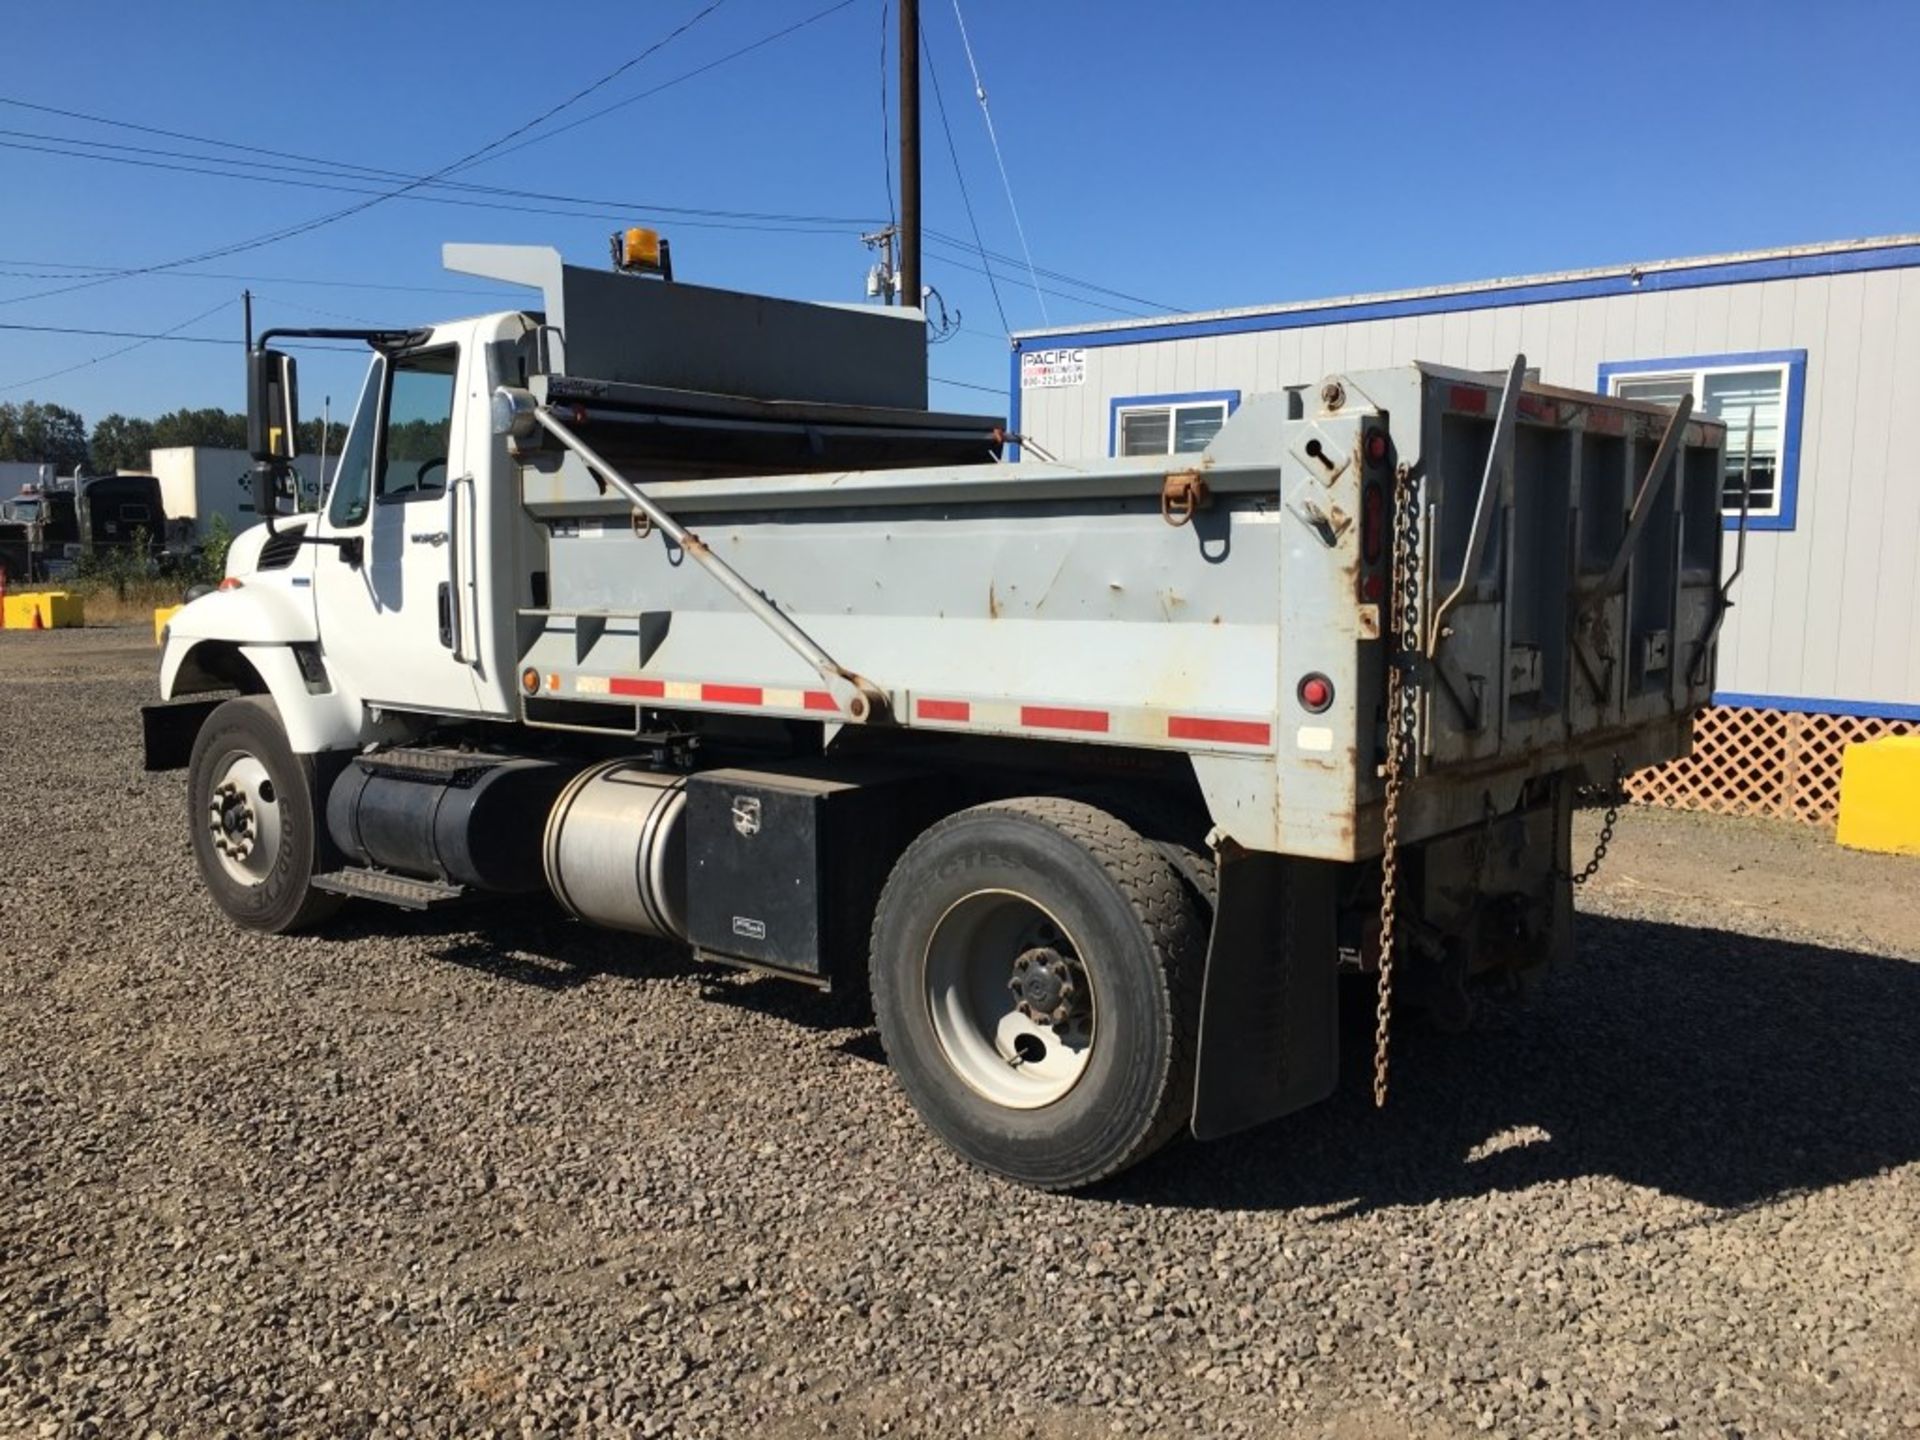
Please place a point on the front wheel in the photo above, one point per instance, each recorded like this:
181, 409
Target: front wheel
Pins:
252, 806
1036, 978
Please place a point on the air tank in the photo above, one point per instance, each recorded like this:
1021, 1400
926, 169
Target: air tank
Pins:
615, 849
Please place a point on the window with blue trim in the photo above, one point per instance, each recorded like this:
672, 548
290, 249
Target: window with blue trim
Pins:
1170, 424
1757, 397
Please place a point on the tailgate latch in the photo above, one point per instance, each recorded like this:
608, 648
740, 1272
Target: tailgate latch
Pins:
1181, 494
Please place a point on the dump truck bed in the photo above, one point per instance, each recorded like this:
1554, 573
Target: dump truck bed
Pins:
1181, 602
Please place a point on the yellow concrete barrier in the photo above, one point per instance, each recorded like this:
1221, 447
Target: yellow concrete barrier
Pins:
161, 615
43, 610
1880, 795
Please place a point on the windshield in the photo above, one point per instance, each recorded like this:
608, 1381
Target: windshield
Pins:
410, 397
353, 476
24, 509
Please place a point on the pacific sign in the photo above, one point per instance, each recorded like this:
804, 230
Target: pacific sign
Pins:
1049, 369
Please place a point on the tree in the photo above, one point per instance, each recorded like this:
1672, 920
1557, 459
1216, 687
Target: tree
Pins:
310, 437
221, 429
43, 433
121, 443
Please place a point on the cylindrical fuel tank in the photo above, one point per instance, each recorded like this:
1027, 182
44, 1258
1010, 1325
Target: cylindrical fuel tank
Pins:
473, 820
616, 849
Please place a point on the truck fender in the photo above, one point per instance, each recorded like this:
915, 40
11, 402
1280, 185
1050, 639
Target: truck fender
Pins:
258, 612
1270, 1009
314, 720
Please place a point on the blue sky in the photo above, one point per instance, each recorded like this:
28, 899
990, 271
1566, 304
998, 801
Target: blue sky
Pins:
1195, 155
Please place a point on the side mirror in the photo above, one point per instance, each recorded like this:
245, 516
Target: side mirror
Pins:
273, 407
264, 480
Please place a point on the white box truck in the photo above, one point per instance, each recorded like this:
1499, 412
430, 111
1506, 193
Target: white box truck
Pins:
198, 482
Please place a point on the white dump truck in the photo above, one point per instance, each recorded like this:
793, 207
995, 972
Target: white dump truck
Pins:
680, 606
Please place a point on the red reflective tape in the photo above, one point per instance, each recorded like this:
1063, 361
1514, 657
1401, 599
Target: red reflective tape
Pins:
943, 710
1235, 732
647, 689
821, 700
1055, 717
1466, 397
731, 694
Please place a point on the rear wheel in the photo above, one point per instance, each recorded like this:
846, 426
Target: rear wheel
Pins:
1036, 977
252, 806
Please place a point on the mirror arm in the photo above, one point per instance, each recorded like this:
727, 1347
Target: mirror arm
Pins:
352, 548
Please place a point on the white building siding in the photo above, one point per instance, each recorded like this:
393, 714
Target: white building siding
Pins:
1828, 610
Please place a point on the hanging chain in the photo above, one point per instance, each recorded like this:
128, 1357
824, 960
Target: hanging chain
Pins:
1615, 798
1402, 720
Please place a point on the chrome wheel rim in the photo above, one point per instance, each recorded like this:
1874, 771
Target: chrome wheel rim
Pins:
1010, 998
243, 819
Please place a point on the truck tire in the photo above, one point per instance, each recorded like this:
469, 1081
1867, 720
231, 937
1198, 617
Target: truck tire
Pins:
1036, 972
253, 807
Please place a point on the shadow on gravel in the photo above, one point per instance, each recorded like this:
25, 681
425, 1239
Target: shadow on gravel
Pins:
1722, 1068
526, 941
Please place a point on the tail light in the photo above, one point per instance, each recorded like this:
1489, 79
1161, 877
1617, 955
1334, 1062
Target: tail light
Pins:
1373, 522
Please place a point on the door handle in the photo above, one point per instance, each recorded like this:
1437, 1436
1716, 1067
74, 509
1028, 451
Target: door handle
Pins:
424, 537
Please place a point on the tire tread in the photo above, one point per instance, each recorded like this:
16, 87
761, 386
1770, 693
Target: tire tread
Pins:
1163, 901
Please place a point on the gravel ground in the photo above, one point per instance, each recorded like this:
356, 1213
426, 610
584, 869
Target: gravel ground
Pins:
492, 1174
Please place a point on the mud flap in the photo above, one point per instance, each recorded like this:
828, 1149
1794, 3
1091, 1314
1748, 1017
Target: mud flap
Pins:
168, 730
1270, 1010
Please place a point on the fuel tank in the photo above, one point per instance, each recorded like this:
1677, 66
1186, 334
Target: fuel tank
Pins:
472, 820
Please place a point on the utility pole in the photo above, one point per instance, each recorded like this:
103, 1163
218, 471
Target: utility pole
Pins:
246, 301
910, 292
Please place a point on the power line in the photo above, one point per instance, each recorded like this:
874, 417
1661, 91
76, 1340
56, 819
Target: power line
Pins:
351, 170
586, 90
621, 213
940, 103
497, 153
127, 334
1057, 294
167, 334
94, 269
326, 314
967, 385
347, 169
102, 275
980, 93
337, 170
593, 115
306, 226
1062, 276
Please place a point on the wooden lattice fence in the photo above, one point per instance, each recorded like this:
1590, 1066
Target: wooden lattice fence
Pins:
1762, 762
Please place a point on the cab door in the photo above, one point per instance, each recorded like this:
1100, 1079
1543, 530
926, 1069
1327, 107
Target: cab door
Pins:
391, 623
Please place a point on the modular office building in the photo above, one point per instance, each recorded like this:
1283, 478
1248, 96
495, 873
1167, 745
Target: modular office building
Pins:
1813, 350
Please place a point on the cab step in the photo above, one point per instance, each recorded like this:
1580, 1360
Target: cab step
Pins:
443, 766
405, 891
